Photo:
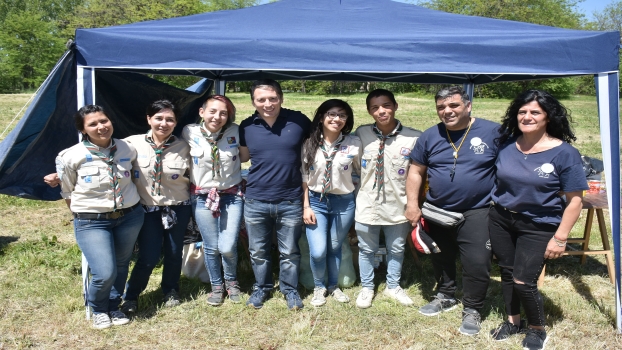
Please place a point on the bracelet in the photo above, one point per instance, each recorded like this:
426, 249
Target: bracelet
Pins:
559, 242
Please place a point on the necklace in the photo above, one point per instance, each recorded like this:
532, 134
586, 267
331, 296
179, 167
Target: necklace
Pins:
456, 149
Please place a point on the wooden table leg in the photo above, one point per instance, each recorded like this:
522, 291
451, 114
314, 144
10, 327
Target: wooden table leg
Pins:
605, 238
587, 232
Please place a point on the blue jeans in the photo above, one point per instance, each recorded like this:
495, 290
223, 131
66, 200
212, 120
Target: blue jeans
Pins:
107, 245
395, 239
150, 240
334, 216
220, 235
262, 219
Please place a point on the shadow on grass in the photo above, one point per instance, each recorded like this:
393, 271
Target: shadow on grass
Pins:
571, 268
5, 241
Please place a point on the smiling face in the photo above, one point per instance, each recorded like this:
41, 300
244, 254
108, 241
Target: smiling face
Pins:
531, 118
334, 120
383, 111
162, 124
214, 114
267, 102
453, 112
99, 128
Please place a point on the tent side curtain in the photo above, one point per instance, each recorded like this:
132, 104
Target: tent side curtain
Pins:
47, 127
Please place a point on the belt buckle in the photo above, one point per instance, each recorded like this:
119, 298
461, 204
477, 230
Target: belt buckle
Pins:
115, 215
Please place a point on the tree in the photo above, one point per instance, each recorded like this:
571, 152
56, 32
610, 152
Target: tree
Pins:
610, 18
29, 48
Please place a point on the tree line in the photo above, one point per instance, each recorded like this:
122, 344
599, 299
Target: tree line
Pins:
34, 33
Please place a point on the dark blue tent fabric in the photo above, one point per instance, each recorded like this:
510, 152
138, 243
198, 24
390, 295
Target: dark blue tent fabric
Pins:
28, 152
348, 40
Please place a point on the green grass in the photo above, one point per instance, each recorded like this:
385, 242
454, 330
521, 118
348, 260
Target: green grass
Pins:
40, 283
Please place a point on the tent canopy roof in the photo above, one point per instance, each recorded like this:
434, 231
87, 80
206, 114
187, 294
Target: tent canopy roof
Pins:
359, 40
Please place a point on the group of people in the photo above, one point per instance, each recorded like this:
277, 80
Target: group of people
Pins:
516, 188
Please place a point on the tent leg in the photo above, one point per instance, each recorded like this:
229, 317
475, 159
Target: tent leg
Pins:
470, 89
220, 86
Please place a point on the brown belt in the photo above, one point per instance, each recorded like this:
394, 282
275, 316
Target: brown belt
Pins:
110, 215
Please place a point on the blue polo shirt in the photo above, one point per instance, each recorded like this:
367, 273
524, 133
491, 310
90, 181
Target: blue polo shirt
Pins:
275, 174
530, 183
473, 181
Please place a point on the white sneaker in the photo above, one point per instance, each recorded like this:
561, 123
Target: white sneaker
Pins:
338, 295
101, 321
118, 318
365, 297
319, 296
398, 294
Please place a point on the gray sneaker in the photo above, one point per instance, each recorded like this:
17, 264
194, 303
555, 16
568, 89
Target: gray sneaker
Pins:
440, 304
233, 290
217, 296
172, 299
101, 321
471, 322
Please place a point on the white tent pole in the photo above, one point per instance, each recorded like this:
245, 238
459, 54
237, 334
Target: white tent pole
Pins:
80, 87
607, 88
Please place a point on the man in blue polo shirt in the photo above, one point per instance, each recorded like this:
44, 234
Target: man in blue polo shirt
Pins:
272, 139
457, 156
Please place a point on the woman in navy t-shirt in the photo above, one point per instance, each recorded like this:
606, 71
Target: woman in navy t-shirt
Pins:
530, 221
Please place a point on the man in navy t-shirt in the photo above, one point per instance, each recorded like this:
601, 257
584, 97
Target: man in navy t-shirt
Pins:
457, 156
272, 139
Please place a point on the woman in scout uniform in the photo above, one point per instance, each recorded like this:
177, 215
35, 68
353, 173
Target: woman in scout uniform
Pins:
96, 183
329, 155
161, 177
530, 221
216, 192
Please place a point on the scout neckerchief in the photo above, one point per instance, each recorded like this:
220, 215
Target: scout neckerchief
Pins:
214, 147
114, 179
379, 180
326, 184
156, 174
456, 149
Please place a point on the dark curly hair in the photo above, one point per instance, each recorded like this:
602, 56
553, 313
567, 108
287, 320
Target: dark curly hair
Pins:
78, 118
312, 143
559, 119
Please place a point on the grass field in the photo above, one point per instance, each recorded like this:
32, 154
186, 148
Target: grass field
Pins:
40, 284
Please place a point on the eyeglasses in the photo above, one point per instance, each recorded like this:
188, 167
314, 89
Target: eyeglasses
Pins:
333, 115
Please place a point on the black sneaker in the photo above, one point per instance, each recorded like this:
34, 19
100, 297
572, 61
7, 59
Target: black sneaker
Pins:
217, 296
535, 339
257, 299
293, 300
507, 329
471, 322
440, 303
129, 306
171, 299
233, 290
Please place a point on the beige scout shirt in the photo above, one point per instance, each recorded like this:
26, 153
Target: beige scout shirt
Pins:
175, 162
385, 208
201, 157
84, 178
347, 157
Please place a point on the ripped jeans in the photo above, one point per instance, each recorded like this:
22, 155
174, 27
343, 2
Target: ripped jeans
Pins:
519, 243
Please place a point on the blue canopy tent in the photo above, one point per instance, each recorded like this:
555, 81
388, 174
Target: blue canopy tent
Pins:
353, 40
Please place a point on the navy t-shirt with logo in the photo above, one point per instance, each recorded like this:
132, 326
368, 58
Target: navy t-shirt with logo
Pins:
471, 185
275, 174
530, 183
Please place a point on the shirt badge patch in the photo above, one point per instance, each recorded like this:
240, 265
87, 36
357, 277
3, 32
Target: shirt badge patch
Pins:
405, 151
231, 140
478, 146
136, 174
344, 149
364, 163
175, 176
234, 158
142, 156
401, 172
345, 167
195, 160
124, 160
311, 167
126, 173
89, 158
350, 156
88, 179
544, 170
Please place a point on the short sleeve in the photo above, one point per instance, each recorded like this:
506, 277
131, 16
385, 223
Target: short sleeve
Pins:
418, 153
242, 132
